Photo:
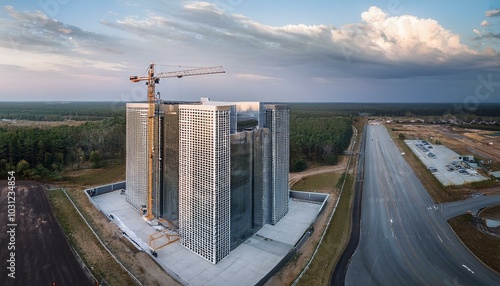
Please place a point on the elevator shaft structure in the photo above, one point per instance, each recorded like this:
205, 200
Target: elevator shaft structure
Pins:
151, 80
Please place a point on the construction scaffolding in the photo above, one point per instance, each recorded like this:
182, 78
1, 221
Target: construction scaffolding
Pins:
167, 234
161, 239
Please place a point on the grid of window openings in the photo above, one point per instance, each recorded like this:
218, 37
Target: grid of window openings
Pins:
277, 120
198, 172
136, 148
204, 180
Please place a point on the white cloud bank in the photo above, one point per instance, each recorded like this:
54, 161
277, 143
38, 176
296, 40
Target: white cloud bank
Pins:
404, 38
379, 45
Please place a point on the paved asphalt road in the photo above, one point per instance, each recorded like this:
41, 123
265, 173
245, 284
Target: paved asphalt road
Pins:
405, 239
451, 210
338, 275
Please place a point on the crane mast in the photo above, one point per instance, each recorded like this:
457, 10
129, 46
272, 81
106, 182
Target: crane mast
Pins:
151, 122
151, 81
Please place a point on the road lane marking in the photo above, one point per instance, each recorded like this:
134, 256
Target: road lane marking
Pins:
467, 268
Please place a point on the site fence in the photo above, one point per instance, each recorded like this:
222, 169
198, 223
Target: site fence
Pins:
106, 188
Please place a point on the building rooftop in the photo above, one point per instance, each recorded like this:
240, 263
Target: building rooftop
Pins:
241, 106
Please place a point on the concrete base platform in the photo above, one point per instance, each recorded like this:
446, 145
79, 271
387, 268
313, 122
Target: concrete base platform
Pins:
246, 265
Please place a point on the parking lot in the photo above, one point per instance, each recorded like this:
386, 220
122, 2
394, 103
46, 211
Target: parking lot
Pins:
444, 163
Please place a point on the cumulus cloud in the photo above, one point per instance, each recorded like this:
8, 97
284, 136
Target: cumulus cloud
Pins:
405, 38
377, 37
485, 23
379, 45
493, 13
476, 31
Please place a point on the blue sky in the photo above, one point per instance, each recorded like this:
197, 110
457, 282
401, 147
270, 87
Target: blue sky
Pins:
322, 51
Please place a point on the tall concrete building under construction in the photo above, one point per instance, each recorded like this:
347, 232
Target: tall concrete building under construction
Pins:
220, 172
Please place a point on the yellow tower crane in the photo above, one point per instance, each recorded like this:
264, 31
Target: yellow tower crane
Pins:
151, 81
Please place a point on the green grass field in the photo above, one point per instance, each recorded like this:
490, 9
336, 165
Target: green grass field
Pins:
96, 177
333, 243
319, 182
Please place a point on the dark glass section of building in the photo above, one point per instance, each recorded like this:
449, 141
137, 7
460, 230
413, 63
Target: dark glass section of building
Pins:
157, 166
250, 178
241, 187
262, 177
171, 162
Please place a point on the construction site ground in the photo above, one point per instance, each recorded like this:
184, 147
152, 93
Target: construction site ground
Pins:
245, 265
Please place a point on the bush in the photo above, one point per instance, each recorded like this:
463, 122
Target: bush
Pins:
298, 165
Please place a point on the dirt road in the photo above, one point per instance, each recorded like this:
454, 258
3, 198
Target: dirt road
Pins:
340, 167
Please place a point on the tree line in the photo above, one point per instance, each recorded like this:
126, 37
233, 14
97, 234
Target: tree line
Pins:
41, 154
318, 133
318, 139
60, 111
483, 110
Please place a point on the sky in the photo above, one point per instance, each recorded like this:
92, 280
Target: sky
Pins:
279, 51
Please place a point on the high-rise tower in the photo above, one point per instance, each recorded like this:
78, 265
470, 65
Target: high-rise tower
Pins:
137, 154
204, 180
277, 118
221, 172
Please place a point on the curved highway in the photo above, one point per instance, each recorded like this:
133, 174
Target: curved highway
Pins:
405, 239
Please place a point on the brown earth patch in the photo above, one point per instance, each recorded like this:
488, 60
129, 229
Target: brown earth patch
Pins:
42, 253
